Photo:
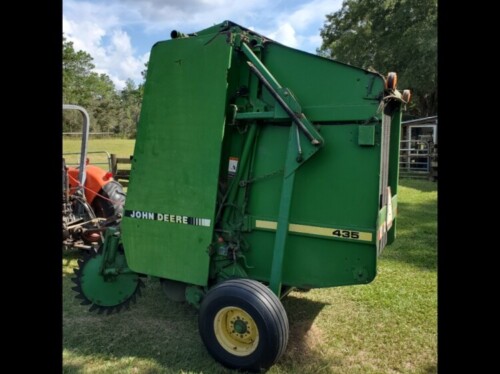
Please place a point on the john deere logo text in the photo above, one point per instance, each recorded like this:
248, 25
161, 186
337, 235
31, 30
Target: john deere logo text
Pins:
166, 217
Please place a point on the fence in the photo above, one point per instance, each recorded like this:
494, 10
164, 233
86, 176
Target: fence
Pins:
98, 158
93, 134
415, 158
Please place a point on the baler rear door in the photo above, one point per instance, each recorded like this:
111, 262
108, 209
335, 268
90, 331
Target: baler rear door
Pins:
170, 207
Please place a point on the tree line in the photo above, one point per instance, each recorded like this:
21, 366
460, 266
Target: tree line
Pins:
110, 110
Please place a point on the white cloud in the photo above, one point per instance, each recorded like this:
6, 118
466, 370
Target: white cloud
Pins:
300, 28
315, 39
312, 13
104, 29
97, 29
285, 34
193, 15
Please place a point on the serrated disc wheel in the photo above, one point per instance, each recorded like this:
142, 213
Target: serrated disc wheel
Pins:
108, 293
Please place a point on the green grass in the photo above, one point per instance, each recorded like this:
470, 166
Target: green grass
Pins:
388, 326
120, 147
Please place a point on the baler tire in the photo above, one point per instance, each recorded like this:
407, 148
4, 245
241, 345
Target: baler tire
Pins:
263, 325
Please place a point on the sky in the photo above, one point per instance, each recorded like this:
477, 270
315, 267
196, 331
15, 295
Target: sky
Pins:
119, 34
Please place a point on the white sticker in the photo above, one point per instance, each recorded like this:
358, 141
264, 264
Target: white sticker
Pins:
390, 217
233, 165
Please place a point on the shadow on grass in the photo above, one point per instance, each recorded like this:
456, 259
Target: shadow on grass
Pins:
304, 342
155, 336
161, 336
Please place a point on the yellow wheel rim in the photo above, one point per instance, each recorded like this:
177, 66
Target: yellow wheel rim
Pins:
236, 331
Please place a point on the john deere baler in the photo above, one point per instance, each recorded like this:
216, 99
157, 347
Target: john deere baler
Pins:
257, 169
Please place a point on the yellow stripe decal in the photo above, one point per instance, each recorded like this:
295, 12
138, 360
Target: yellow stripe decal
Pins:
270, 225
316, 230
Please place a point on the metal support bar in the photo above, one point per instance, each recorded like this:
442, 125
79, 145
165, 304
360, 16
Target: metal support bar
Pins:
384, 170
110, 246
283, 220
255, 115
281, 235
256, 61
286, 290
274, 87
85, 140
294, 116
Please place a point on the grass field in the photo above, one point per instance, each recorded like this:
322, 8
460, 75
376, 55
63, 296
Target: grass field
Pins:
120, 147
388, 326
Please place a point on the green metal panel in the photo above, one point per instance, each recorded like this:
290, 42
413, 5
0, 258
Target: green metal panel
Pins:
366, 135
339, 189
175, 167
327, 90
335, 191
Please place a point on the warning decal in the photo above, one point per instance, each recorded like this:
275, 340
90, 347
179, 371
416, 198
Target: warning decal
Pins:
233, 166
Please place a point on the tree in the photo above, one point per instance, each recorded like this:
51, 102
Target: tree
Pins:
109, 110
144, 73
83, 86
389, 35
130, 102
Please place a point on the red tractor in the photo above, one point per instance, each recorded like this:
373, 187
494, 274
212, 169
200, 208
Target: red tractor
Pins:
92, 199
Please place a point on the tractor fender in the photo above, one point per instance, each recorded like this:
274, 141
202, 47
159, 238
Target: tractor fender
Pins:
96, 178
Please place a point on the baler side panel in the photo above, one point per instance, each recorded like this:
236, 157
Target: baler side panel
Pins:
175, 168
338, 187
327, 90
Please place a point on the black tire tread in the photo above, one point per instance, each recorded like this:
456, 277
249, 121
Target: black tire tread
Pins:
111, 201
271, 302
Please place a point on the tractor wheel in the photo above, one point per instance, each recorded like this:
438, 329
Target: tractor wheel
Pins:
111, 202
243, 325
